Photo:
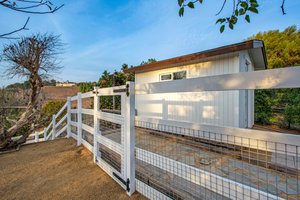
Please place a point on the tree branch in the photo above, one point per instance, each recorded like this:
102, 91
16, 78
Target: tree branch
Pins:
282, 7
222, 7
30, 7
15, 31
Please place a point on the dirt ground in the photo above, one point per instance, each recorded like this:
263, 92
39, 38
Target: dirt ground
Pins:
55, 170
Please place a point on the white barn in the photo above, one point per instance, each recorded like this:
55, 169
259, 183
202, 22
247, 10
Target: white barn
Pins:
221, 108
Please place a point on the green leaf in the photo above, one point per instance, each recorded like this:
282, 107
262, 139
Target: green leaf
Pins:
254, 5
234, 19
231, 26
244, 5
221, 20
180, 2
242, 11
253, 9
200, 1
222, 28
191, 5
236, 12
247, 18
181, 11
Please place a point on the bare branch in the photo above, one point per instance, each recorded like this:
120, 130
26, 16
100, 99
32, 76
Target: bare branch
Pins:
282, 7
224, 2
30, 7
15, 31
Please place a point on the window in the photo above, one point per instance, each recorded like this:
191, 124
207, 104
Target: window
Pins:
173, 76
179, 75
165, 77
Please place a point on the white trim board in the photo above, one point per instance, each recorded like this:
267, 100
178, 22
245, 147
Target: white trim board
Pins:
213, 182
239, 136
263, 79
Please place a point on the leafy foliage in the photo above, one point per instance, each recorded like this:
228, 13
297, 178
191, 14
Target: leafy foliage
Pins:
150, 60
263, 105
86, 86
283, 50
240, 9
116, 79
49, 109
292, 107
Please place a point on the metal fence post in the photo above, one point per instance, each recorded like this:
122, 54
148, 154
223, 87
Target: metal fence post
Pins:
96, 123
79, 119
53, 127
68, 117
130, 137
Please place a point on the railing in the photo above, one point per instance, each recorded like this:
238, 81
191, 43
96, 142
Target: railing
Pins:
182, 160
82, 119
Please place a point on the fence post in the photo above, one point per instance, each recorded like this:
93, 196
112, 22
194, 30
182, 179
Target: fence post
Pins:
79, 119
130, 137
36, 137
68, 117
96, 123
53, 127
45, 134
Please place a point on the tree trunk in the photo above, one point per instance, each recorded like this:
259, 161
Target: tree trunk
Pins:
27, 117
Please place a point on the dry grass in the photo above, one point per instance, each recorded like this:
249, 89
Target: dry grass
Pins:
55, 170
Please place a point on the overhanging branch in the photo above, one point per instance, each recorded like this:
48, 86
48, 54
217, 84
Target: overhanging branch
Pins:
15, 31
30, 7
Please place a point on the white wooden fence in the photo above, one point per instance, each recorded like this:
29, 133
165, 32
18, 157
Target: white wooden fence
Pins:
275, 144
126, 176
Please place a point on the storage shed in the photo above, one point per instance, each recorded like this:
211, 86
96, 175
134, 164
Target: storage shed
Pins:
221, 108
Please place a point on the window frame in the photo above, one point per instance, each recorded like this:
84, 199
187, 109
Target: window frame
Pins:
179, 72
172, 75
168, 73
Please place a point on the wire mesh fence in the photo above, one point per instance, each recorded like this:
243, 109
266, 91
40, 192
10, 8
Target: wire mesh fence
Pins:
88, 120
185, 163
87, 136
74, 129
110, 130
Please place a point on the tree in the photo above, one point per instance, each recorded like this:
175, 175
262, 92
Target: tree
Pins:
282, 47
150, 60
263, 106
86, 86
240, 8
12, 98
35, 58
282, 50
291, 100
30, 7
49, 109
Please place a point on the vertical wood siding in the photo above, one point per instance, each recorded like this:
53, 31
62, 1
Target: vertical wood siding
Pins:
218, 107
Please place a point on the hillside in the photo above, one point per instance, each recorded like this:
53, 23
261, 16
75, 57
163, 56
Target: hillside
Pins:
58, 92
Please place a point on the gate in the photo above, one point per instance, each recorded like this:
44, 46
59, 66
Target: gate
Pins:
105, 129
114, 133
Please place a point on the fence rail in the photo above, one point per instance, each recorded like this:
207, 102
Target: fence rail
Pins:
164, 159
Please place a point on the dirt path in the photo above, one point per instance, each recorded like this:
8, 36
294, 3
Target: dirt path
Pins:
55, 170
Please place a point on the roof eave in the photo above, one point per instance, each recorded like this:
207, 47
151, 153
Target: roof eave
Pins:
196, 57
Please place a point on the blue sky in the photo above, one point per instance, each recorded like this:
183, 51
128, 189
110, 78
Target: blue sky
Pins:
104, 34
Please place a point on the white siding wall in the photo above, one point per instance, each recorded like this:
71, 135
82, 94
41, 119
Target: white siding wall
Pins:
218, 108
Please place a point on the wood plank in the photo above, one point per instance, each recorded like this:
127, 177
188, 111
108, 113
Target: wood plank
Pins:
264, 79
